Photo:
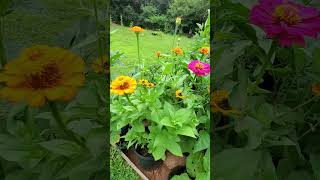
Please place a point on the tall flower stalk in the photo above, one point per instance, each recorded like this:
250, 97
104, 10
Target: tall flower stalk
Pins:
61, 123
178, 22
137, 30
3, 55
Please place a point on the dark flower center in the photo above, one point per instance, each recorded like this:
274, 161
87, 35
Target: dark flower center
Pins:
124, 85
224, 104
47, 78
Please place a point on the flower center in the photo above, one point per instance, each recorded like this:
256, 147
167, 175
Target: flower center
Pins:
199, 66
287, 13
124, 85
47, 78
35, 55
224, 104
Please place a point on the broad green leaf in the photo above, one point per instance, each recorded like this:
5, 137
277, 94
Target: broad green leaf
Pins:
183, 176
174, 148
186, 131
159, 153
315, 162
61, 147
167, 122
194, 164
229, 164
203, 142
168, 69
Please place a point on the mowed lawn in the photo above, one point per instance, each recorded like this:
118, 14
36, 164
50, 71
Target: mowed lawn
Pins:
124, 40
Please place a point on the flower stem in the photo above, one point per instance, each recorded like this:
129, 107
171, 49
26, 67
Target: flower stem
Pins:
100, 43
175, 34
60, 121
130, 101
139, 60
299, 106
3, 55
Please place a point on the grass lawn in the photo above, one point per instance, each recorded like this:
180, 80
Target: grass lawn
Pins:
124, 40
119, 169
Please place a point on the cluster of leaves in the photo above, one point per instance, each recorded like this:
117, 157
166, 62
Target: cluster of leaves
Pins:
275, 135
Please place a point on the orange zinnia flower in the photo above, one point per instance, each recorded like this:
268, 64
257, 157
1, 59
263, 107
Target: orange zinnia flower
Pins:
316, 89
137, 29
178, 51
204, 50
158, 53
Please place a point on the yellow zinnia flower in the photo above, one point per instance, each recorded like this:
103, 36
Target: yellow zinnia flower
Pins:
137, 29
177, 51
179, 94
123, 85
204, 50
42, 73
219, 102
316, 89
150, 85
99, 66
143, 81
178, 20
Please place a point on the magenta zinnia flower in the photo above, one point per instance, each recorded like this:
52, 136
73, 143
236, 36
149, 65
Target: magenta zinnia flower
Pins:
199, 68
287, 21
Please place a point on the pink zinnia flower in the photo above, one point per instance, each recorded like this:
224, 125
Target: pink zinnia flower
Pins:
287, 21
199, 68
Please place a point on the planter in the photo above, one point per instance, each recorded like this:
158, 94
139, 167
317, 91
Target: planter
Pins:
146, 160
177, 171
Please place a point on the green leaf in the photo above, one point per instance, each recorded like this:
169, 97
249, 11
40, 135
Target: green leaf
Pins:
315, 162
159, 153
229, 164
61, 147
168, 69
186, 131
183, 176
194, 164
203, 142
174, 148
167, 122
316, 60
299, 59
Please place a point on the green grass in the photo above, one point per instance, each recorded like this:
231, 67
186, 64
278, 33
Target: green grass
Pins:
124, 40
119, 169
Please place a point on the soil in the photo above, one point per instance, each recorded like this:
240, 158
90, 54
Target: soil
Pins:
172, 163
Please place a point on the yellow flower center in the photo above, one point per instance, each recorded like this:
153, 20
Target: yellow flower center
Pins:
47, 78
287, 13
199, 66
35, 54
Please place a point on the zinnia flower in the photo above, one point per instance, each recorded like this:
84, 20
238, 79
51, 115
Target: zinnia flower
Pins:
42, 73
219, 102
316, 89
204, 50
199, 68
177, 51
99, 66
137, 29
143, 81
178, 20
179, 94
158, 54
150, 85
123, 85
286, 20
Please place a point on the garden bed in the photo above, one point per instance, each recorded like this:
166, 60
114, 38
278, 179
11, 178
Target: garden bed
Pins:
171, 165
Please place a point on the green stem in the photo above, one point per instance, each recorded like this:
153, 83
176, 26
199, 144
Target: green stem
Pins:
299, 106
29, 119
139, 60
100, 44
175, 34
309, 130
130, 101
60, 121
3, 55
